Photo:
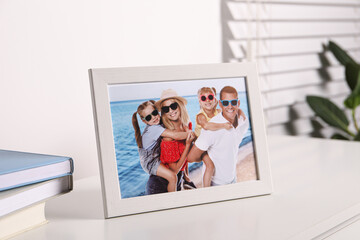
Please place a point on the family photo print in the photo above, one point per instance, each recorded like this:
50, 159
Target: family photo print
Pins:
175, 136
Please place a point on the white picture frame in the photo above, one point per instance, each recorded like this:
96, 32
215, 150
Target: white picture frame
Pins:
103, 79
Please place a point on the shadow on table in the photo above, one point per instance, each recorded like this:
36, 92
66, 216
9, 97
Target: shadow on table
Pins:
84, 202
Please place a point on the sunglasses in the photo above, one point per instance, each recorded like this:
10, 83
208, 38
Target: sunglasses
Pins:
149, 117
173, 106
210, 97
225, 103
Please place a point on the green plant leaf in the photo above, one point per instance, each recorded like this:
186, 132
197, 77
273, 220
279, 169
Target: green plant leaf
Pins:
329, 112
340, 54
352, 73
354, 99
339, 136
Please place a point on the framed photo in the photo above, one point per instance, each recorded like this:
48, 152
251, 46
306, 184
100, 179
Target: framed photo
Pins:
174, 136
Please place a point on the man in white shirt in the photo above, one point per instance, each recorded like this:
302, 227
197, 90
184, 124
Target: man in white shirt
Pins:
223, 145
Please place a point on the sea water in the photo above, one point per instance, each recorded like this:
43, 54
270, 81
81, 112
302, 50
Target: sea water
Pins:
132, 177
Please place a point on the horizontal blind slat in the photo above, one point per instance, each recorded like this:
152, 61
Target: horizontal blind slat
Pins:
290, 46
304, 127
282, 114
310, 3
279, 12
293, 96
290, 29
296, 62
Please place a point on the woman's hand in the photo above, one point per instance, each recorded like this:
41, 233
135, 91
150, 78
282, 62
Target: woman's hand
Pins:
190, 138
188, 128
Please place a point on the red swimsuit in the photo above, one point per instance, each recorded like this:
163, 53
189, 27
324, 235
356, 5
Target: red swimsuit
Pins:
171, 152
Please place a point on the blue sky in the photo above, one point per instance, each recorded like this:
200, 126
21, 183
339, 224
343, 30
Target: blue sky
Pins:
135, 91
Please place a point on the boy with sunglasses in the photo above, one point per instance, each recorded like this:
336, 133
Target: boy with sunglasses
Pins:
222, 145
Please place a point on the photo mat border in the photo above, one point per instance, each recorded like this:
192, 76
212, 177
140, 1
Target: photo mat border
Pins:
113, 204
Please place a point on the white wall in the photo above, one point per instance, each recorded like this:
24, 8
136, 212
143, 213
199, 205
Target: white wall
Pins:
47, 46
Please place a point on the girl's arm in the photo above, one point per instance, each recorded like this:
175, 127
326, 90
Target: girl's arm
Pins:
175, 167
201, 120
241, 113
174, 135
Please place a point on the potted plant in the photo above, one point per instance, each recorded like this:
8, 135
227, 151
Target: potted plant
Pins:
330, 112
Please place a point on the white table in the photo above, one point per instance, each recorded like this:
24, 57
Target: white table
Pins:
316, 195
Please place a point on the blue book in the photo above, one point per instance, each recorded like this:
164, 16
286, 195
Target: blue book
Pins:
18, 169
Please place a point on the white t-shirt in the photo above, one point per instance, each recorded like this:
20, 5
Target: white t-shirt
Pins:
223, 146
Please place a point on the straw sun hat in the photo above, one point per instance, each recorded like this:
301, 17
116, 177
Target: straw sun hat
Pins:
167, 94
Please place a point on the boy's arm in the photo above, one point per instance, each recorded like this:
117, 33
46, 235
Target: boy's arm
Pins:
174, 135
201, 120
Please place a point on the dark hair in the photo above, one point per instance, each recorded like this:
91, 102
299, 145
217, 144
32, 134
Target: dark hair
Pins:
135, 123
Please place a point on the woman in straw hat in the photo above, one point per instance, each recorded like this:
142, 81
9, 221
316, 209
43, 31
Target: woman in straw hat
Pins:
149, 142
176, 118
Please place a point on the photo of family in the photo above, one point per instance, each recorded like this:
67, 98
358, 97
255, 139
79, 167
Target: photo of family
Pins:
181, 135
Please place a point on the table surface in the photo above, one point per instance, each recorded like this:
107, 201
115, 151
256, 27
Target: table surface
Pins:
316, 196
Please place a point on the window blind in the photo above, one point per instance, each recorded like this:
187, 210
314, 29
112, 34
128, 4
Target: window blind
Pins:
288, 41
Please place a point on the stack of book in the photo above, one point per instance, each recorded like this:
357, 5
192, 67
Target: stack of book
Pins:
27, 181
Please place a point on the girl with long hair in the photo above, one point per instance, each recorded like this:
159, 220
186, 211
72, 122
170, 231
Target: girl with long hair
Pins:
149, 143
